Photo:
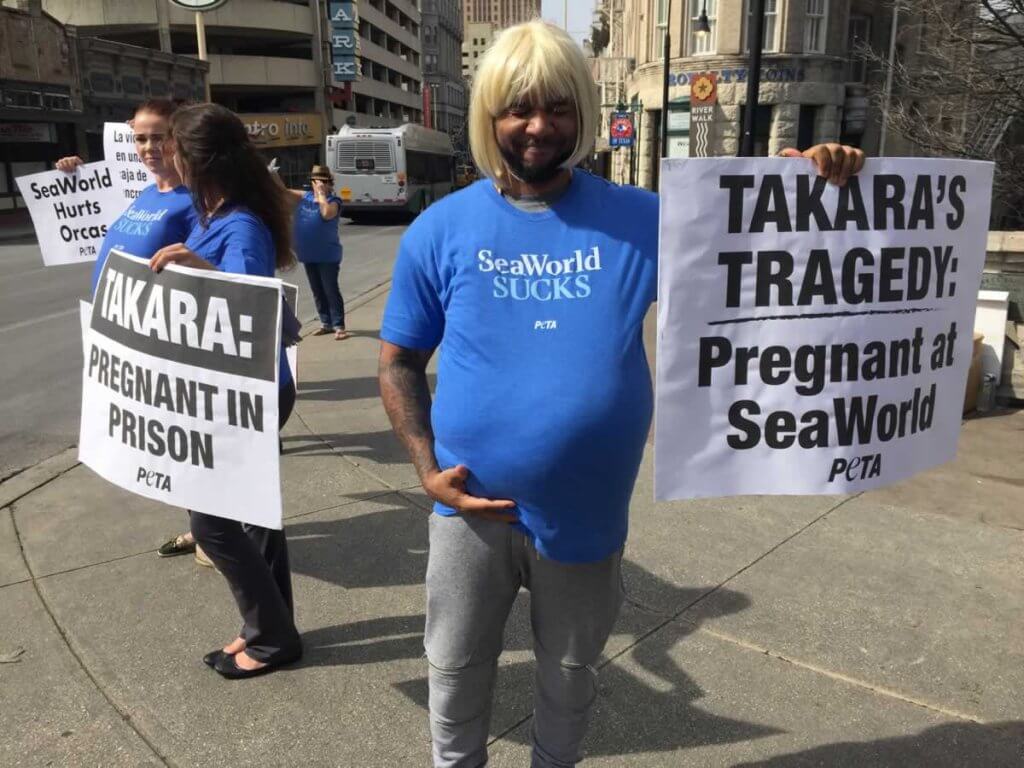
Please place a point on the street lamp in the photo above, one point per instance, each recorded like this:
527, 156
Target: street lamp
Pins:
755, 39
702, 28
664, 81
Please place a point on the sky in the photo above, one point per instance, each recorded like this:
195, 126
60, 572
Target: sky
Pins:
581, 14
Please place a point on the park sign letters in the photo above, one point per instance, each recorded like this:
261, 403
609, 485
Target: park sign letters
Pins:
813, 338
180, 388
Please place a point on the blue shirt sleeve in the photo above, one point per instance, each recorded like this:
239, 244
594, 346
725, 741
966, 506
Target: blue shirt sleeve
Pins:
248, 248
414, 315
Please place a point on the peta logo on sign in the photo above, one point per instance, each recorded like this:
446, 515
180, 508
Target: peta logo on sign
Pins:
857, 468
153, 479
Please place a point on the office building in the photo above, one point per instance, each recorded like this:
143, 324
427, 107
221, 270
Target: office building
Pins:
478, 37
271, 58
442, 69
500, 13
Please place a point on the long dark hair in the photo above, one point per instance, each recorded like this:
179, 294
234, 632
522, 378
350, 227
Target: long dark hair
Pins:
220, 161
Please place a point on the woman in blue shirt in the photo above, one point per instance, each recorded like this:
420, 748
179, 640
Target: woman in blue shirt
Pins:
318, 247
162, 214
243, 228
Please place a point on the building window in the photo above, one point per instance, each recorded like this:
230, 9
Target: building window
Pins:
702, 44
815, 26
660, 25
858, 35
770, 37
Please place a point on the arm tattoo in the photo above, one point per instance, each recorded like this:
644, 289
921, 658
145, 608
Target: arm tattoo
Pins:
406, 395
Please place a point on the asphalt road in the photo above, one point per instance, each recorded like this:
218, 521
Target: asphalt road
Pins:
41, 349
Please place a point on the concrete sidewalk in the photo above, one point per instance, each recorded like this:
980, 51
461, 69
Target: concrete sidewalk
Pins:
884, 629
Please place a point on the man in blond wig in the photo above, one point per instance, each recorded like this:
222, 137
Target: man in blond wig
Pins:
534, 282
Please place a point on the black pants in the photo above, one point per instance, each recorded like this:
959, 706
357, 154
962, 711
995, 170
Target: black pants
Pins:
254, 561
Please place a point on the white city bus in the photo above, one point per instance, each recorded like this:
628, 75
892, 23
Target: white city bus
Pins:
390, 169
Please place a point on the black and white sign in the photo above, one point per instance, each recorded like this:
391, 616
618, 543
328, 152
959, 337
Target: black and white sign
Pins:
180, 388
72, 211
811, 338
119, 150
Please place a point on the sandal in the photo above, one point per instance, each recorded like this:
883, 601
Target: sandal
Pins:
179, 545
203, 559
341, 334
321, 331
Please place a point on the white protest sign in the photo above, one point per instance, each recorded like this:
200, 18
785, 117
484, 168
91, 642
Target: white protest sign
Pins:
119, 150
179, 388
72, 211
811, 338
291, 297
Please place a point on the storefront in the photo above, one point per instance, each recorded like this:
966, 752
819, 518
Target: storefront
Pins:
295, 140
40, 99
29, 147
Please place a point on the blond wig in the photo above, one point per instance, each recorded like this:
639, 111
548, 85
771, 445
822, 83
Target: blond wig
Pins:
535, 62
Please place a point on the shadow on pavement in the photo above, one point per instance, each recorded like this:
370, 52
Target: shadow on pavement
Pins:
382, 548
371, 641
338, 390
630, 715
950, 745
383, 447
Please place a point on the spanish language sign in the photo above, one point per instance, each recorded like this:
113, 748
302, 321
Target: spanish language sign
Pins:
813, 338
179, 388
71, 211
119, 150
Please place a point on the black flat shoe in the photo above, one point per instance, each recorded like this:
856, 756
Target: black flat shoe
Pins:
228, 669
213, 657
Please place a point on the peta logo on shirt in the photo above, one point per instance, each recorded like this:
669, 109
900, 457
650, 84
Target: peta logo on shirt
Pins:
539, 277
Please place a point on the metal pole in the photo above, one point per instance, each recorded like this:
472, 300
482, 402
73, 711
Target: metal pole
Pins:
887, 100
565, 14
755, 35
639, 125
201, 45
664, 81
319, 100
163, 26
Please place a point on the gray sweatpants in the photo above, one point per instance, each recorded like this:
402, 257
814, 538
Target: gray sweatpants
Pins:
474, 571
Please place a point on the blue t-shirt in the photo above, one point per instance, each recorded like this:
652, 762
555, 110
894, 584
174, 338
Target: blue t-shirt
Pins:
316, 239
543, 389
153, 220
237, 241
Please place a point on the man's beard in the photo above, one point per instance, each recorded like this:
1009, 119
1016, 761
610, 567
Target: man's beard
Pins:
533, 174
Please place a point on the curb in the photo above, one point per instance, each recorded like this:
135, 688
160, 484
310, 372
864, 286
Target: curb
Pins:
36, 476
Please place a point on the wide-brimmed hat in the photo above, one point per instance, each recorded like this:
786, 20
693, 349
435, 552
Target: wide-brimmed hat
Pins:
321, 172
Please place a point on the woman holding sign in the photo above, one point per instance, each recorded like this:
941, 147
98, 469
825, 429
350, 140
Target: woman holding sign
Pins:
162, 214
243, 228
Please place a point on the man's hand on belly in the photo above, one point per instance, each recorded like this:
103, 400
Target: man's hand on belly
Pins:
449, 488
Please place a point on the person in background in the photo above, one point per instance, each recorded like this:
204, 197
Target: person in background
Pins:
319, 249
243, 228
162, 214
